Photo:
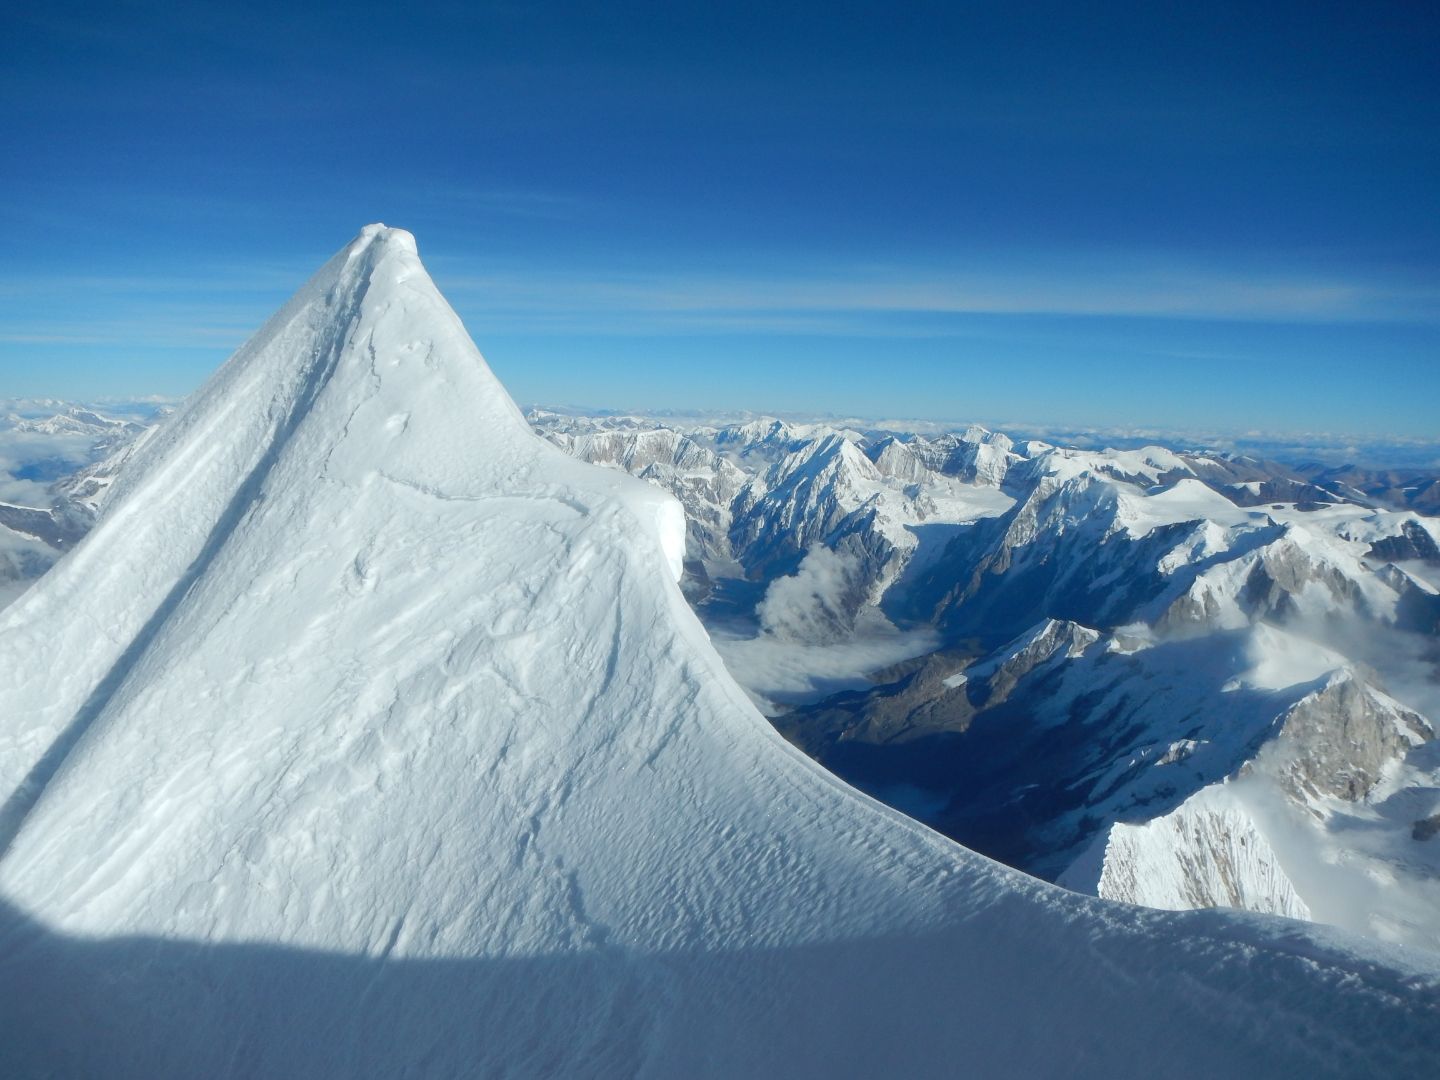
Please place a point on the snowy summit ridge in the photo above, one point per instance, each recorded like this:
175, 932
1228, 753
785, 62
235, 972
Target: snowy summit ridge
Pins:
369, 734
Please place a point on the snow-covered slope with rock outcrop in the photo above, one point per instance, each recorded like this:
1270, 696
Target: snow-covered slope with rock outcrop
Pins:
1207, 852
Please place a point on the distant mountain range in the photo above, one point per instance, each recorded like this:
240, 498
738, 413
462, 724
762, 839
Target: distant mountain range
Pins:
1179, 678
56, 461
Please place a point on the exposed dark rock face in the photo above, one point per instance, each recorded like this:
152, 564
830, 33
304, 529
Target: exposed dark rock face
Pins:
1413, 543
59, 527
1338, 740
918, 704
1282, 571
1403, 489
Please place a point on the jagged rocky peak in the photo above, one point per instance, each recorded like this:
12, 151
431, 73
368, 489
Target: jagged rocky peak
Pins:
1294, 561
1413, 541
1275, 572
635, 450
830, 457
1205, 853
767, 440
899, 460
764, 429
976, 455
1339, 739
800, 500
1052, 512
1048, 640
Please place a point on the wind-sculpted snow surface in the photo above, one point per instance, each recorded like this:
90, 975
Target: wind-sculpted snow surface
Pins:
369, 735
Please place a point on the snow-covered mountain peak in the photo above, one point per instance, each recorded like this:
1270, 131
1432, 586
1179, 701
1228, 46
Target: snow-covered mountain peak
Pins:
360, 407
975, 455
379, 231
1339, 739
364, 735
895, 459
1207, 852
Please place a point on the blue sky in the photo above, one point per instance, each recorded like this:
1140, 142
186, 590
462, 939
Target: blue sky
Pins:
1088, 214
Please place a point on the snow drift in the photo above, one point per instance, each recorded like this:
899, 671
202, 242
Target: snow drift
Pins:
368, 734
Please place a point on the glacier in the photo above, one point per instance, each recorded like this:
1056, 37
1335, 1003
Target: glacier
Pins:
369, 734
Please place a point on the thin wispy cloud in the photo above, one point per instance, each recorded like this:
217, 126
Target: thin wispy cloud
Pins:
222, 303
1069, 212
737, 301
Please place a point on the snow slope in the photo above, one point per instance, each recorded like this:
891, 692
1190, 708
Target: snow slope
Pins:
1207, 852
369, 735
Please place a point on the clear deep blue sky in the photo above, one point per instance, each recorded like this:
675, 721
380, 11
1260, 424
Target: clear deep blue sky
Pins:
1219, 215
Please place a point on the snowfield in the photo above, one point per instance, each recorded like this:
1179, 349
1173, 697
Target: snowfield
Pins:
368, 734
